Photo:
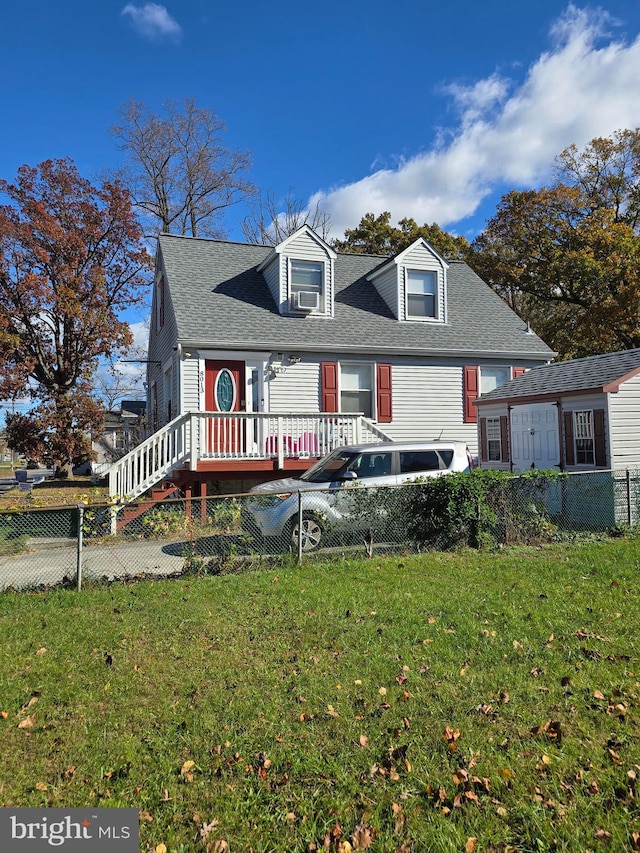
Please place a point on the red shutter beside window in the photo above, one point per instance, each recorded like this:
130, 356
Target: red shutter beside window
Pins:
484, 453
470, 394
329, 391
505, 455
569, 455
517, 371
383, 391
598, 435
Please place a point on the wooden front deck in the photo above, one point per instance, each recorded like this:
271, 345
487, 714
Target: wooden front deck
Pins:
202, 446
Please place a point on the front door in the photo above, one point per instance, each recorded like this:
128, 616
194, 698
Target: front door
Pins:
224, 390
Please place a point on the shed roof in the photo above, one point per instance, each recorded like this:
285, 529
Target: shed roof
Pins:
597, 373
220, 300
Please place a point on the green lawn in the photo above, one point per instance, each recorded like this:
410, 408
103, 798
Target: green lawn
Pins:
407, 704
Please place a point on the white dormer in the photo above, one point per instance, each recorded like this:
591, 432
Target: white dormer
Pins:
414, 284
300, 274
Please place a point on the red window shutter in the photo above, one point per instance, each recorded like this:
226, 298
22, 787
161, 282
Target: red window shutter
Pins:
329, 377
484, 453
598, 435
505, 454
569, 455
470, 394
517, 371
383, 391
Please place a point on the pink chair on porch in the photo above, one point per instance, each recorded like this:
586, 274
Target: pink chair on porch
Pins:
308, 444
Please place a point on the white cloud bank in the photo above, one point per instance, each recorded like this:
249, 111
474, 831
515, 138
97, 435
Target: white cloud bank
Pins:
585, 85
153, 21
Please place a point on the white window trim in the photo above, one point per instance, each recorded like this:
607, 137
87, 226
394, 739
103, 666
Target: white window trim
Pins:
437, 318
589, 424
493, 425
372, 389
323, 284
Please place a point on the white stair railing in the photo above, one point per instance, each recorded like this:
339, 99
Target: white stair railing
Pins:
197, 436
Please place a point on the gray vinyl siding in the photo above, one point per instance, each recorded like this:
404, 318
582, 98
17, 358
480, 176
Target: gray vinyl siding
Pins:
161, 344
624, 413
191, 398
297, 390
273, 278
428, 404
387, 286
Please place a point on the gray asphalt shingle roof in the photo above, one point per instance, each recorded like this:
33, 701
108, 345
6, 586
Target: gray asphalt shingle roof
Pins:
220, 299
594, 373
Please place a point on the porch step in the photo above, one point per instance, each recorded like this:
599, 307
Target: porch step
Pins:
130, 513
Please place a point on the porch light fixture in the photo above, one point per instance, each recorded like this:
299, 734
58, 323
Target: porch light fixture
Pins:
294, 359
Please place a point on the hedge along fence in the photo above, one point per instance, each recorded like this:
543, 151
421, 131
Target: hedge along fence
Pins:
487, 508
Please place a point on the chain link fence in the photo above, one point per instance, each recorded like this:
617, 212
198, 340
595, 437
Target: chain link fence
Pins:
78, 544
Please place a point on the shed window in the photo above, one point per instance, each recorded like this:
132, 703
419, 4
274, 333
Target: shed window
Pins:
584, 438
494, 442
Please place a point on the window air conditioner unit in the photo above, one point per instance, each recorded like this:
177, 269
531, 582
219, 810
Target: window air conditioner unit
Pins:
307, 300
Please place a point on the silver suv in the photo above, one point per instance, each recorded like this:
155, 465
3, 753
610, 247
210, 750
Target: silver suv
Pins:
324, 496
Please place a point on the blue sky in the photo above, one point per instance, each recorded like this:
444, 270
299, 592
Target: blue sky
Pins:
430, 110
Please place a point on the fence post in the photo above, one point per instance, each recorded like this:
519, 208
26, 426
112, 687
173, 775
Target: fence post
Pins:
629, 513
299, 526
81, 507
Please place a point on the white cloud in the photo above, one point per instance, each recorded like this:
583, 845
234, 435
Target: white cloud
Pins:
585, 85
153, 21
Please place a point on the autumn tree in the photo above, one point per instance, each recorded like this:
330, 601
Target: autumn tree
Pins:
567, 256
181, 176
375, 235
270, 222
71, 261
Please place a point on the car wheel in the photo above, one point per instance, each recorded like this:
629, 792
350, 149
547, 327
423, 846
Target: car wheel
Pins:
311, 533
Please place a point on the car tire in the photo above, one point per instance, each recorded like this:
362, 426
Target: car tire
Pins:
312, 532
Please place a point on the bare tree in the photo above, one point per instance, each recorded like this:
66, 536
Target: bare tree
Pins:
269, 223
180, 175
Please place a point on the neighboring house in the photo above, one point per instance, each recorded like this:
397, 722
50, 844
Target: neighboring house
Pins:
264, 358
580, 415
123, 429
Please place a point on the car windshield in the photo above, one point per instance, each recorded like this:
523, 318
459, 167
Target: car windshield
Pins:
330, 468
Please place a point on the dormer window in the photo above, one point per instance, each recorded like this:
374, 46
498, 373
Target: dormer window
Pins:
306, 285
422, 295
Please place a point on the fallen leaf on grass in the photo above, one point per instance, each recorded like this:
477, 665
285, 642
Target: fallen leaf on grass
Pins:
41, 651
363, 836
161, 848
27, 723
603, 835
4, 714
470, 846
218, 846
41, 786
364, 740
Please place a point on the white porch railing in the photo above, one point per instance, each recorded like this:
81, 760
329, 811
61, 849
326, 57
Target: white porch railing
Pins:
198, 436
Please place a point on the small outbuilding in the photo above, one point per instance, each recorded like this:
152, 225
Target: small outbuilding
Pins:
579, 415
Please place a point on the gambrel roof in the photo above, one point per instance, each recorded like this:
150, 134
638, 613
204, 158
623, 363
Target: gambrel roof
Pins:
594, 374
221, 300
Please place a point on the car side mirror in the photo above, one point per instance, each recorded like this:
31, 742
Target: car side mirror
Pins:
349, 475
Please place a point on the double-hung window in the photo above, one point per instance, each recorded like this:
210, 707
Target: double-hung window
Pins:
493, 377
356, 389
306, 284
584, 437
422, 294
494, 442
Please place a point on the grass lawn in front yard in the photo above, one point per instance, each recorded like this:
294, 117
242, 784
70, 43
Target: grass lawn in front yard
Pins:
440, 702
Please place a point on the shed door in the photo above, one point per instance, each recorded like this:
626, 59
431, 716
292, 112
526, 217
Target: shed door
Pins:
534, 437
